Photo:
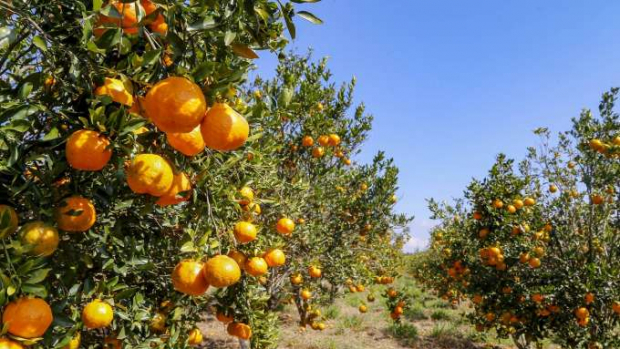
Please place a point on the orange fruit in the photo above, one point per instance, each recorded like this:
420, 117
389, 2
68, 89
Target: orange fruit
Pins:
538, 298
596, 199
497, 203
73, 344
323, 140
256, 266
189, 143
194, 337
589, 298
305, 294
239, 257
534, 262
318, 152
180, 184
274, 257
149, 174
553, 188
296, 279
582, 313
159, 24
6, 343
529, 202
596, 144
87, 150
128, 21
97, 314
346, 161
334, 140
40, 237
362, 308
75, 214
112, 343
188, 278
247, 194
222, 317
477, 215
116, 90
239, 330
360, 288
511, 209
221, 271
27, 317
158, 322
307, 141
518, 203
245, 232
285, 226
314, 272
8, 221
616, 307
175, 104
223, 128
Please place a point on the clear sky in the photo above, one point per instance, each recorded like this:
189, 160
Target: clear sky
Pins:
451, 83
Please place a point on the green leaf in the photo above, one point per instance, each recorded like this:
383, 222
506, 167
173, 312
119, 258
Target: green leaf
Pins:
150, 57
40, 43
97, 5
229, 37
309, 17
304, 1
244, 51
51, 135
38, 276
36, 290
287, 19
205, 23
24, 90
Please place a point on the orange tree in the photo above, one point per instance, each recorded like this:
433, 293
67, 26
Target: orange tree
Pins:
534, 250
141, 182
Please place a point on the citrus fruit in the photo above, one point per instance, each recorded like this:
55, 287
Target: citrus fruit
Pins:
188, 278
245, 232
221, 271
87, 150
175, 104
275, 257
97, 314
189, 143
75, 214
116, 90
180, 191
8, 221
223, 128
239, 330
27, 317
41, 238
149, 174
285, 226
256, 266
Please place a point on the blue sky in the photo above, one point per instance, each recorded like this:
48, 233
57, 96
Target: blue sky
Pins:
453, 83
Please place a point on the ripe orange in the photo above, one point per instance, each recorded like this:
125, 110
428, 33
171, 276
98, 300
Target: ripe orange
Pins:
247, 194
534, 262
6, 343
239, 330
362, 308
305, 294
589, 298
285, 226
158, 322
296, 279
596, 199
616, 307
222, 317
477, 215
596, 144
256, 266
582, 313
149, 174
175, 104
128, 21
497, 203
323, 140
511, 209
75, 214
97, 314
529, 202
553, 188
275, 257
314, 272
307, 141
245, 232
239, 257
518, 203
223, 128
346, 161
188, 143
524, 257
483, 233
221, 271
40, 237
360, 288
159, 25
87, 150
112, 343
194, 337
27, 317
334, 140
116, 90
188, 278
318, 152
392, 293
8, 221
538, 298
180, 184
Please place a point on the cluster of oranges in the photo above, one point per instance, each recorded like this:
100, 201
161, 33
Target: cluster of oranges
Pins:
605, 148
331, 140
128, 20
